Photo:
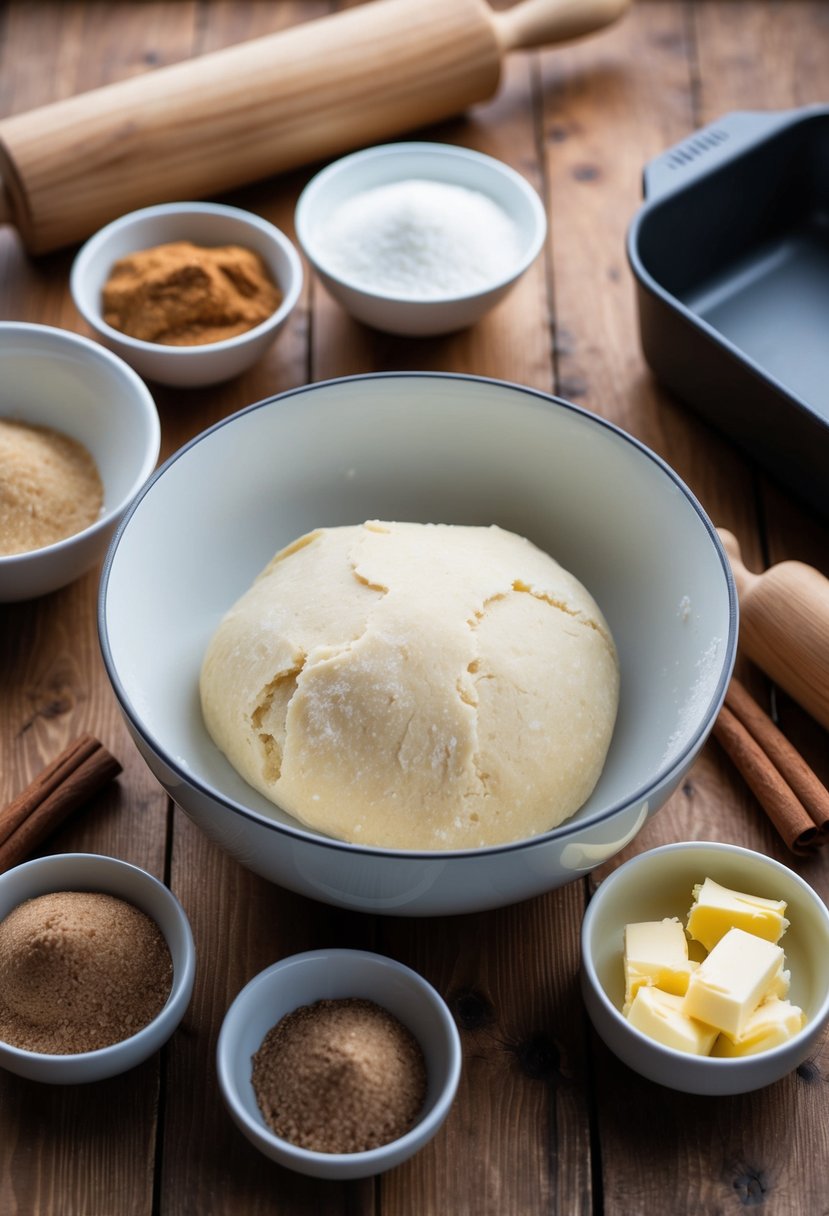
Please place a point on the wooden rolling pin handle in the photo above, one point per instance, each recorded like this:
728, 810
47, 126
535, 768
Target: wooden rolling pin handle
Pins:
784, 626
541, 22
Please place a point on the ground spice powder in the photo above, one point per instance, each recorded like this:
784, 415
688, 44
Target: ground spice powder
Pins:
339, 1076
79, 970
50, 487
181, 294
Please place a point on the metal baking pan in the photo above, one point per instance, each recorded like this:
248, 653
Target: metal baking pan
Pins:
731, 257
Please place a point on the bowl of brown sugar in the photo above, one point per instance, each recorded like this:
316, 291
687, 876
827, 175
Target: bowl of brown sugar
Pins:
339, 1063
97, 964
188, 294
79, 436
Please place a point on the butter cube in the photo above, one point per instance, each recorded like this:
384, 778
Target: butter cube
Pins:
661, 1016
772, 1023
717, 909
656, 953
731, 982
779, 986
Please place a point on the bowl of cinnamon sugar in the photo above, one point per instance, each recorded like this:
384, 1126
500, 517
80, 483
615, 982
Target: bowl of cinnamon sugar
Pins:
97, 964
79, 436
188, 294
339, 1063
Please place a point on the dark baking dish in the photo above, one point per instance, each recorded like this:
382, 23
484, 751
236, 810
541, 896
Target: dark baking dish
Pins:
731, 258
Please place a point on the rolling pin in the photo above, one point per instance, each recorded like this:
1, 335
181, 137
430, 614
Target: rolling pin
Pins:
784, 626
234, 116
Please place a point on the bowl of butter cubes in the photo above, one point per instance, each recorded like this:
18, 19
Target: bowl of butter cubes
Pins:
705, 967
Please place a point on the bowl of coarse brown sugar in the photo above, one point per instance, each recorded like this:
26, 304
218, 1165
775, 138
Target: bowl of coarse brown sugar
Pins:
79, 436
339, 1063
97, 964
188, 294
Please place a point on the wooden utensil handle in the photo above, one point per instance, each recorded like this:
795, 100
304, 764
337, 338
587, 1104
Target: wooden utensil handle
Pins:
541, 22
784, 626
219, 121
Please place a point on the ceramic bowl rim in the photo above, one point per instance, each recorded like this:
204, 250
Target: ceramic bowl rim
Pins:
711, 1064
404, 1145
152, 448
491, 164
299, 833
180, 988
291, 289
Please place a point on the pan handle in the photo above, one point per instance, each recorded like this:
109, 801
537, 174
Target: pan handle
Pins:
710, 148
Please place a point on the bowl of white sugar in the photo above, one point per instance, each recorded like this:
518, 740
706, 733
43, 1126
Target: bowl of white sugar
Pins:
419, 238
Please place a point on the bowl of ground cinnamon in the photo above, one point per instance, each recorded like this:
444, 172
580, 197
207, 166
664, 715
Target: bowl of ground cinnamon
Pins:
96, 967
188, 294
339, 1063
79, 436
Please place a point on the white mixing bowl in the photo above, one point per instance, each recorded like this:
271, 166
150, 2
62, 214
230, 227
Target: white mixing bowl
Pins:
427, 447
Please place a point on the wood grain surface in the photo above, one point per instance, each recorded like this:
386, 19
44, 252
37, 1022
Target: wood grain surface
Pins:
546, 1120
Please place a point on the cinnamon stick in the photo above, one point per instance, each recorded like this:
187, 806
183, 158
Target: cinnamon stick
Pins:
71, 779
781, 804
784, 756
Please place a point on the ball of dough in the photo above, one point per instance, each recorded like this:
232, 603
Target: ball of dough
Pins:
415, 686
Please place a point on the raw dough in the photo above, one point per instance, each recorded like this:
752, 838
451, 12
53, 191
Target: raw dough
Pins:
415, 686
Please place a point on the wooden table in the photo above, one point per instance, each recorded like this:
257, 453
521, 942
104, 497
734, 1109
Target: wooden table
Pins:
546, 1119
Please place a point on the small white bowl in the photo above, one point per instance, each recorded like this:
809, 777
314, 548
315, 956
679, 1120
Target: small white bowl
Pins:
54, 378
110, 876
660, 883
207, 224
445, 163
333, 975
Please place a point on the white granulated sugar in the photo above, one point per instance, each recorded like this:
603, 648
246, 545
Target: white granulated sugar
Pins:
691, 709
421, 240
